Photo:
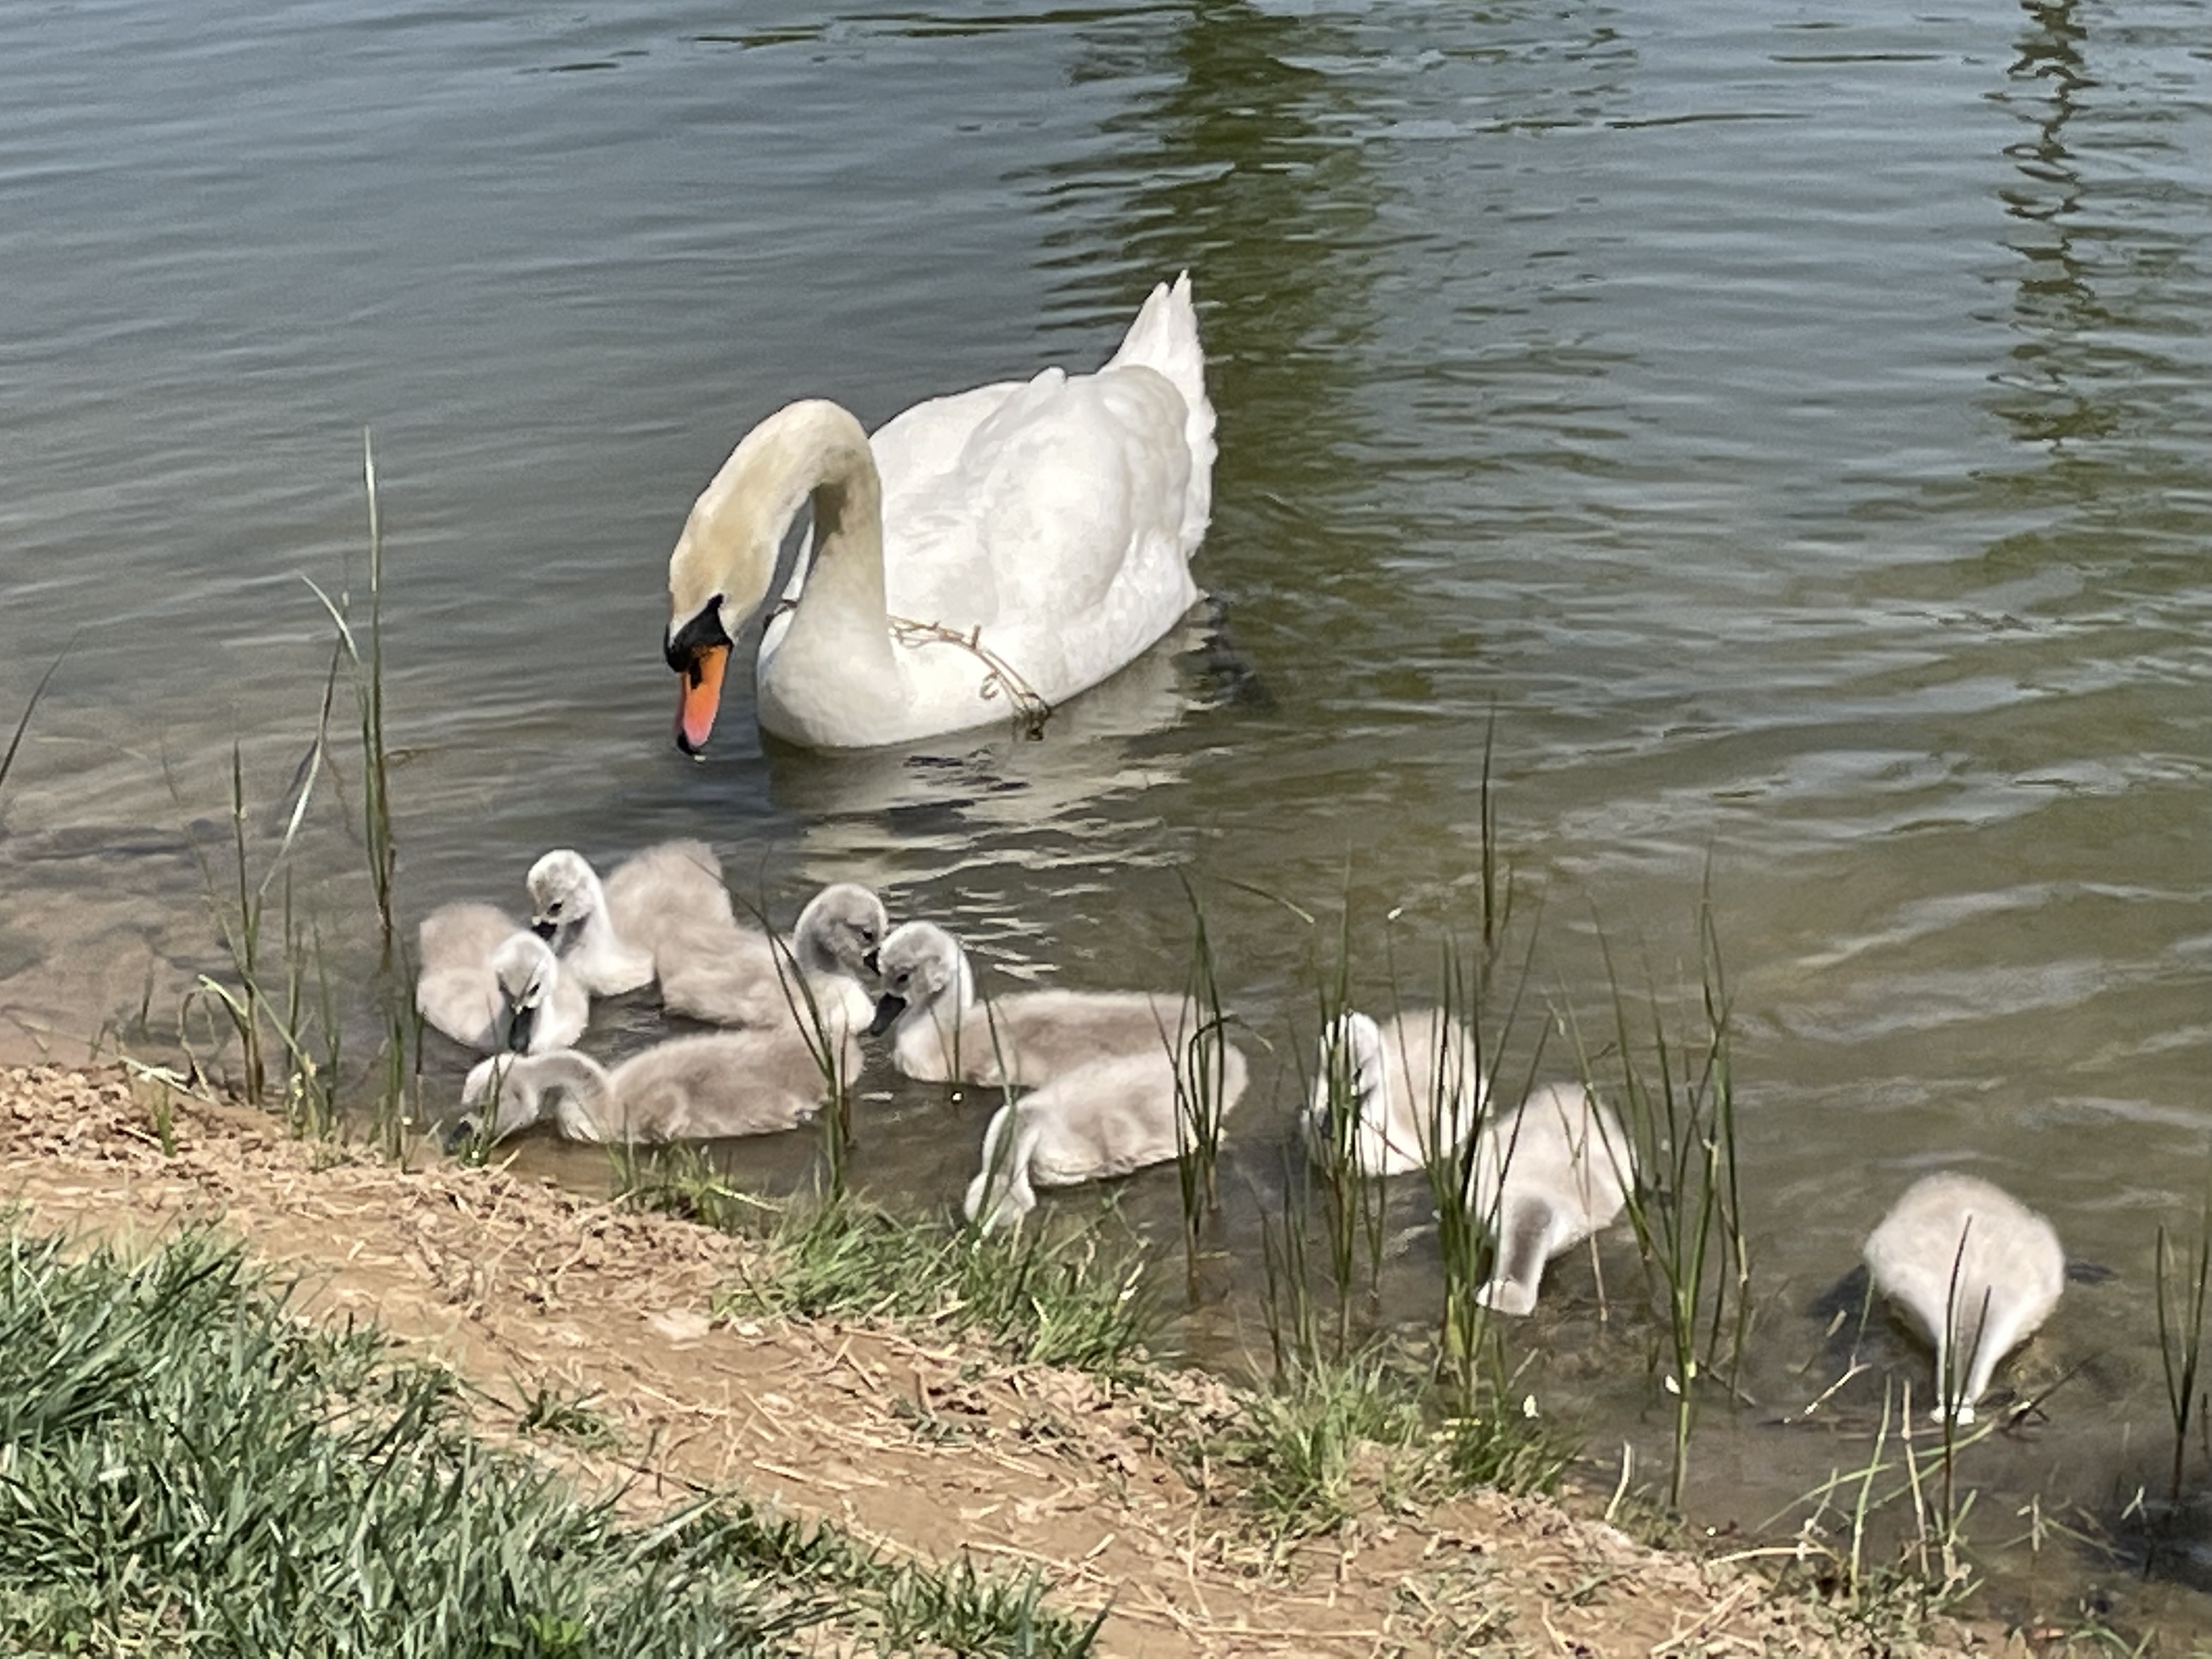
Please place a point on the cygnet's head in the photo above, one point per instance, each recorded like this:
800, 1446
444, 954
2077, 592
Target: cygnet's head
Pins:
564, 895
1508, 1296
839, 931
918, 964
1352, 1070
527, 969
490, 1092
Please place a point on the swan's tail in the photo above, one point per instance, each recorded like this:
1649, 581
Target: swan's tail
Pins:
1164, 338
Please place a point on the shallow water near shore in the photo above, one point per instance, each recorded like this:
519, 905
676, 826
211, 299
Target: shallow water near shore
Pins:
1791, 427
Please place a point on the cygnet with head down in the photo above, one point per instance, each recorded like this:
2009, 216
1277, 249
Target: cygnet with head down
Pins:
942, 1032
1974, 1270
490, 984
1103, 1118
1548, 1175
692, 1088
1390, 1095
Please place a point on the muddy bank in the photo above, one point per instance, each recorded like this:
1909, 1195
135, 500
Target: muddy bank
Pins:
928, 1445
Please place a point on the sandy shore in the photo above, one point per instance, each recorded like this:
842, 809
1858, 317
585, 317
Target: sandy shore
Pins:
930, 1448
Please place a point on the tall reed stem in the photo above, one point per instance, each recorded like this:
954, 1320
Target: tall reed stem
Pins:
1681, 1115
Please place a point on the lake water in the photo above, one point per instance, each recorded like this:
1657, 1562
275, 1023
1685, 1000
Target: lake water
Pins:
1791, 424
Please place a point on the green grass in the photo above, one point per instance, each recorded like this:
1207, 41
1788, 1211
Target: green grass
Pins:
677, 1180
283, 1003
1330, 1436
910, 1605
186, 1469
1048, 1302
190, 1471
1676, 1098
569, 1417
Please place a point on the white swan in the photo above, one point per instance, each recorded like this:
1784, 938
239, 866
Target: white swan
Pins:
487, 982
1102, 1119
942, 1032
691, 1088
1024, 539
1973, 1269
1385, 1095
1548, 1175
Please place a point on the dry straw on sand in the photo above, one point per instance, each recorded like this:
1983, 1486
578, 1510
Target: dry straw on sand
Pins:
535, 1294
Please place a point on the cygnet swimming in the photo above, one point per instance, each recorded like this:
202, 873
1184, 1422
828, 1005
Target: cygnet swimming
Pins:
1548, 1175
489, 983
1973, 1269
660, 909
665, 915
689, 1088
834, 943
941, 1032
1099, 1120
1387, 1095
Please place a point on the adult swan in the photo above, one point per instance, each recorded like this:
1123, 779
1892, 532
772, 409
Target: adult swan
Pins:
984, 555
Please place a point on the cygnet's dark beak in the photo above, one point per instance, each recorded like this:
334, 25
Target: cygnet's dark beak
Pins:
872, 963
464, 1131
521, 1021
545, 927
888, 1009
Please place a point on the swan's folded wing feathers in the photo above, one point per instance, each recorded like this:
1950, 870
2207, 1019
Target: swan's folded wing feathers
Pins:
933, 570
1075, 494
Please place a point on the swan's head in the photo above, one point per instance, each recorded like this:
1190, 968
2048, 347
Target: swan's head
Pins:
527, 969
839, 931
700, 639
1352, 1070
919, 964
725, 558
564, 895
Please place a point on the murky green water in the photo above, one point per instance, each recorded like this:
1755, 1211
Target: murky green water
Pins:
1793, 424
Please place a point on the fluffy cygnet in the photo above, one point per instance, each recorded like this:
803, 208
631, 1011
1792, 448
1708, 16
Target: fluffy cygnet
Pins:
941, 1032
1101, 1119
489, 984
665, 915
834, 943
660, 909
691, 1088
1388, 1095
1973, 1269
1548, 1175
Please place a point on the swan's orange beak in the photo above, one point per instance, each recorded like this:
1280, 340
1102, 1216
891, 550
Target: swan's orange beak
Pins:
701, 696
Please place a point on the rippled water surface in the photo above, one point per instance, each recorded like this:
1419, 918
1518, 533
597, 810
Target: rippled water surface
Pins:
1790, 424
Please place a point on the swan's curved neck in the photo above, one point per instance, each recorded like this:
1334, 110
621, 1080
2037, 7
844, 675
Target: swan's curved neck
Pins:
816, 450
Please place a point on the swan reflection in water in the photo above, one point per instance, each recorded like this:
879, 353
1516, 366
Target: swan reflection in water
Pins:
925, 814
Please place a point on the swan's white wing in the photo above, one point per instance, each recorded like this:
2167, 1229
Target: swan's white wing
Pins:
1056, 532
